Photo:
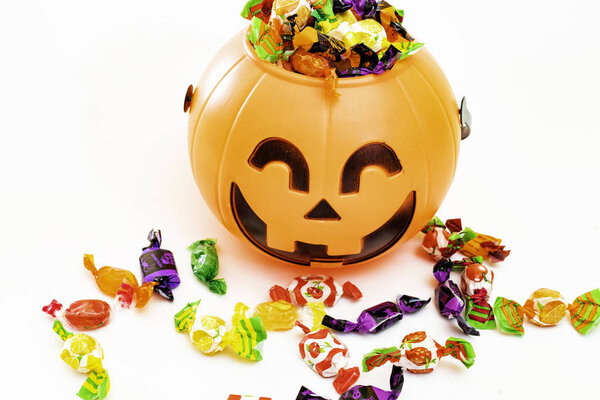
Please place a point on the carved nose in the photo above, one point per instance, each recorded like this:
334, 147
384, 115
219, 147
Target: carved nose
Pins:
323, 211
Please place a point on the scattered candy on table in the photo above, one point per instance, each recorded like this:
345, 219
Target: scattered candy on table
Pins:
448, 298
158, 265
444, 240
110, 279
379, 317
314, 289
90, 313
277, 315
84, 354
476, 283
325, 354
211, 335
361, 392
547, 307
420, 354
205, 264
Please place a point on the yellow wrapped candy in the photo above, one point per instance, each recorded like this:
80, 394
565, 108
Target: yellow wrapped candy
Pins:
366, 31
545, 307
211, 335
277, 315
84, 354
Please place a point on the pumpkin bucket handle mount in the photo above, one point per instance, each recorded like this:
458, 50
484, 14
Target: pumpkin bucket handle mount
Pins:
465, 119
187, 101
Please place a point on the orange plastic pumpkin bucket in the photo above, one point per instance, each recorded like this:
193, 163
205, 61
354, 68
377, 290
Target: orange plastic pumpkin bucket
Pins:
309, 177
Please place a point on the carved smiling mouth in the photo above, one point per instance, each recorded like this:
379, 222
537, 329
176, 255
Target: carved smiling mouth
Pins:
373, 244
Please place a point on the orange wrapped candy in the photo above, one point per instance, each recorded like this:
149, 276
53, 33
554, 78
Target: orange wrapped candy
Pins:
110, 279
314, 65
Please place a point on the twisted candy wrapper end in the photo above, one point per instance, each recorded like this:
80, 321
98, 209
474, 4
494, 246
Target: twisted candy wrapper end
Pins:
185, 318
461, 350
585, 312
509, 316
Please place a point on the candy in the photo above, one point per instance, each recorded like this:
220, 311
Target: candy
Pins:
487, 247
379, 317
211, 335
246, 397
420, 354
328, 357
547, 307
267, 42
277, 315
110, 279
315, 42
476, 284
362, 8
314, 65
314, 289
441, 243
260, 9
158, 265
91, 314
205, 264
448, 298
360, 392
84, 354
290, 15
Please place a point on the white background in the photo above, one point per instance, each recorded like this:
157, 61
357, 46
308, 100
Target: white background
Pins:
94, 154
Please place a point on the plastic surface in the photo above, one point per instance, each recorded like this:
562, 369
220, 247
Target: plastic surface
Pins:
268, 145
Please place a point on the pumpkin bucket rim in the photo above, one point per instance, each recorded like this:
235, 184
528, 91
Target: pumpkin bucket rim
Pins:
346, 82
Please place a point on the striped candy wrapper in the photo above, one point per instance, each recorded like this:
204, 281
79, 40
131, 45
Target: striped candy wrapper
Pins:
510, 316
584, 311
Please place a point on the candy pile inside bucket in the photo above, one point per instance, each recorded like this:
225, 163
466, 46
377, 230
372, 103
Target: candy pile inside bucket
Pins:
329, 38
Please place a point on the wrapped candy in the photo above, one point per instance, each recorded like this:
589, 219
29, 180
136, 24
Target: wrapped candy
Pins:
260, 9
290, 15
158, 265
379, 317
448, 298
326, 355
487, 247
211, 335
420, 354
361, 392
315, 42
547, 307
84, 354
476, 283
314, 65
362, 8
246, 397
92, 314
314, 289
277, 315
441, 243
205, 264
110, 279
267, 42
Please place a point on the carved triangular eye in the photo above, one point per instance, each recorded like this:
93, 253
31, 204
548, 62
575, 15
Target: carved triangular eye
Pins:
378, 154
277, 149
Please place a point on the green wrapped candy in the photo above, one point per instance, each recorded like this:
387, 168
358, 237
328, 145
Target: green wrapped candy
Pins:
205, 264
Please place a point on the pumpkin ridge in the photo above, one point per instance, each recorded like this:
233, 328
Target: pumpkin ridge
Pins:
193, 141
228, 140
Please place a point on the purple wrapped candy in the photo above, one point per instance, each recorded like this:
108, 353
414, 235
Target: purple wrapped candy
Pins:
379, 317
389, 58
158, 265
448, 298
360, 392
363, 8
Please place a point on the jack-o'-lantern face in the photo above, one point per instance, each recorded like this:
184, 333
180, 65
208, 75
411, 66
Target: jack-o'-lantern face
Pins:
322, 216
313, 179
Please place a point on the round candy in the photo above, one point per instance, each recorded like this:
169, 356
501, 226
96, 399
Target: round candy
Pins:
323, 353
420, 353
88, 314
545, 307
435, 241
315, 289
207, 334
475, 277
277, 315
82, 353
